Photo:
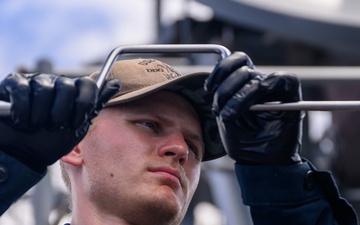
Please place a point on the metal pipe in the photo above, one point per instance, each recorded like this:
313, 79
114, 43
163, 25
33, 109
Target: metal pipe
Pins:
309, 106
156, 48
207, 48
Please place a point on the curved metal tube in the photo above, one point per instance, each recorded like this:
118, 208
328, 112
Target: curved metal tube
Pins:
206, 48
159, 48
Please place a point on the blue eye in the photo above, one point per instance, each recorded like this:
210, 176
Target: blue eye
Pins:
149, 125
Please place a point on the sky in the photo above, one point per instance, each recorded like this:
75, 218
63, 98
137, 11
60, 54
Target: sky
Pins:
70, 33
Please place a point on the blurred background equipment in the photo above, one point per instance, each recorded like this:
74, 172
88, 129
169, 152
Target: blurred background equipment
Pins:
318, 40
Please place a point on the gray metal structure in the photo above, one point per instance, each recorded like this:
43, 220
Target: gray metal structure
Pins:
332, 24
336, 29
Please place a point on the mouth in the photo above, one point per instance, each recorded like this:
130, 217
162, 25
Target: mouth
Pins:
168, 173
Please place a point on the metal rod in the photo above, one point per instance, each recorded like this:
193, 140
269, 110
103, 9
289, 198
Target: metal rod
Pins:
206, 48
309, 106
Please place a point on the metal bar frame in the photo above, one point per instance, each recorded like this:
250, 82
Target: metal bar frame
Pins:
205, 48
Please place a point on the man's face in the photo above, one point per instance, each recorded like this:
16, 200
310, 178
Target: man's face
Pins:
141, 160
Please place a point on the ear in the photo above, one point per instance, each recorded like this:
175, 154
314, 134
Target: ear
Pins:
74, 157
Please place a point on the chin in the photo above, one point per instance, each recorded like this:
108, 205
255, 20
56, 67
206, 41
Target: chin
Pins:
164, 208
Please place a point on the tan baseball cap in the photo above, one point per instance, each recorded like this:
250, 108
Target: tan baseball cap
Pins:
141, 77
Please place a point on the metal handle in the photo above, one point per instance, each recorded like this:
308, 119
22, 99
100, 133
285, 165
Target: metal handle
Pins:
309, 106
156, 48
206, 48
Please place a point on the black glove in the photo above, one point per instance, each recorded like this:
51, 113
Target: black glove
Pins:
50, 115
255, 137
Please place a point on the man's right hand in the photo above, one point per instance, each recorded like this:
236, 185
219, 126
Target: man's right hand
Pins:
255, 137
49, 115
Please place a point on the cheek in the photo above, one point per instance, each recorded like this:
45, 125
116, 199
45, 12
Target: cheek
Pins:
194, 177
110, 163
105, 151
111, 149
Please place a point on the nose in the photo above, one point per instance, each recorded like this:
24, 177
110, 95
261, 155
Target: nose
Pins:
175, 146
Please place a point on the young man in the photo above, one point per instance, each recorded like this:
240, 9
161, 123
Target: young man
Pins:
139, 162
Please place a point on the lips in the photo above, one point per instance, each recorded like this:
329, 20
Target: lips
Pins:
167, 170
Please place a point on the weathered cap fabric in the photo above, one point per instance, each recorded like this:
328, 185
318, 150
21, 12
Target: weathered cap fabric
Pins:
141, 77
